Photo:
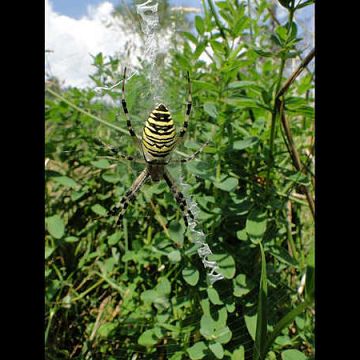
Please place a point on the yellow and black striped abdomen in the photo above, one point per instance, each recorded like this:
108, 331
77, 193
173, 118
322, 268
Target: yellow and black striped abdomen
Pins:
158, 136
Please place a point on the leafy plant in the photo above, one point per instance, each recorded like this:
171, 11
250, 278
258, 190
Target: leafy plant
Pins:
141, 290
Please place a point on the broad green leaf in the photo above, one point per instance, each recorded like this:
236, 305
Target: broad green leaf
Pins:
226, 264
164, 286
243, 102
229, 184
243, 85
199, 25
207, 326
149, 296
76, 195
110, 177
176, 232
238, 354
245, 143
242, 235
217, 350
55, 226
214, 296
190, 37
66, 181
241, 287
223, 335
99, 210
191, 275
48, 251
199, 49
208, 86
105, 329
283, 340
210, 108
250, 322
197, 351
174, 256
148, 338
101, 164
114, 238
292, 354
256, 224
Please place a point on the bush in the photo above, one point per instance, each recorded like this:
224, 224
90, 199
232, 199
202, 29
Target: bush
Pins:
141, 291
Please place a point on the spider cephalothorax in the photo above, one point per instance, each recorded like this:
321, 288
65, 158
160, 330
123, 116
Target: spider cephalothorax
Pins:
158, 140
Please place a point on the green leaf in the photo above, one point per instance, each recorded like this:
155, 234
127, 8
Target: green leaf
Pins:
176, 232
263, 53
76, 195
199, 49
256, 224
148, 338
243, 85
226, 264
241, 285
55, 226
217, 47
48, 251
223, 335
250, 322
293, 354
114, 238
245, 143
191, 275
210, 108
174, 256
190, 37
242, 235
101, 164
217, 350
106, 329
214, 296
199, 25
164, 286
110, 177
238, 354
149, 296
204, 85
197, 351
66, 181
99, 210
229, 184
71, 239
243, 102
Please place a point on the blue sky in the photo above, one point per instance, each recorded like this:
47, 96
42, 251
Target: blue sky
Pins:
77, 8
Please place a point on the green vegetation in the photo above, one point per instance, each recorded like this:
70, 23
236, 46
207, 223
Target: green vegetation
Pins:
140, 291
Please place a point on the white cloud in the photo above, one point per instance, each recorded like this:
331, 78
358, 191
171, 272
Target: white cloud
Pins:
72, 41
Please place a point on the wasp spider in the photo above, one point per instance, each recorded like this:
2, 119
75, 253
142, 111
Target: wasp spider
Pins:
158, 140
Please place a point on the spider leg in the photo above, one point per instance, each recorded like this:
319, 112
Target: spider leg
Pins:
130, 195
126, 112
192, 156
187, 114
115, 151
178, 196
